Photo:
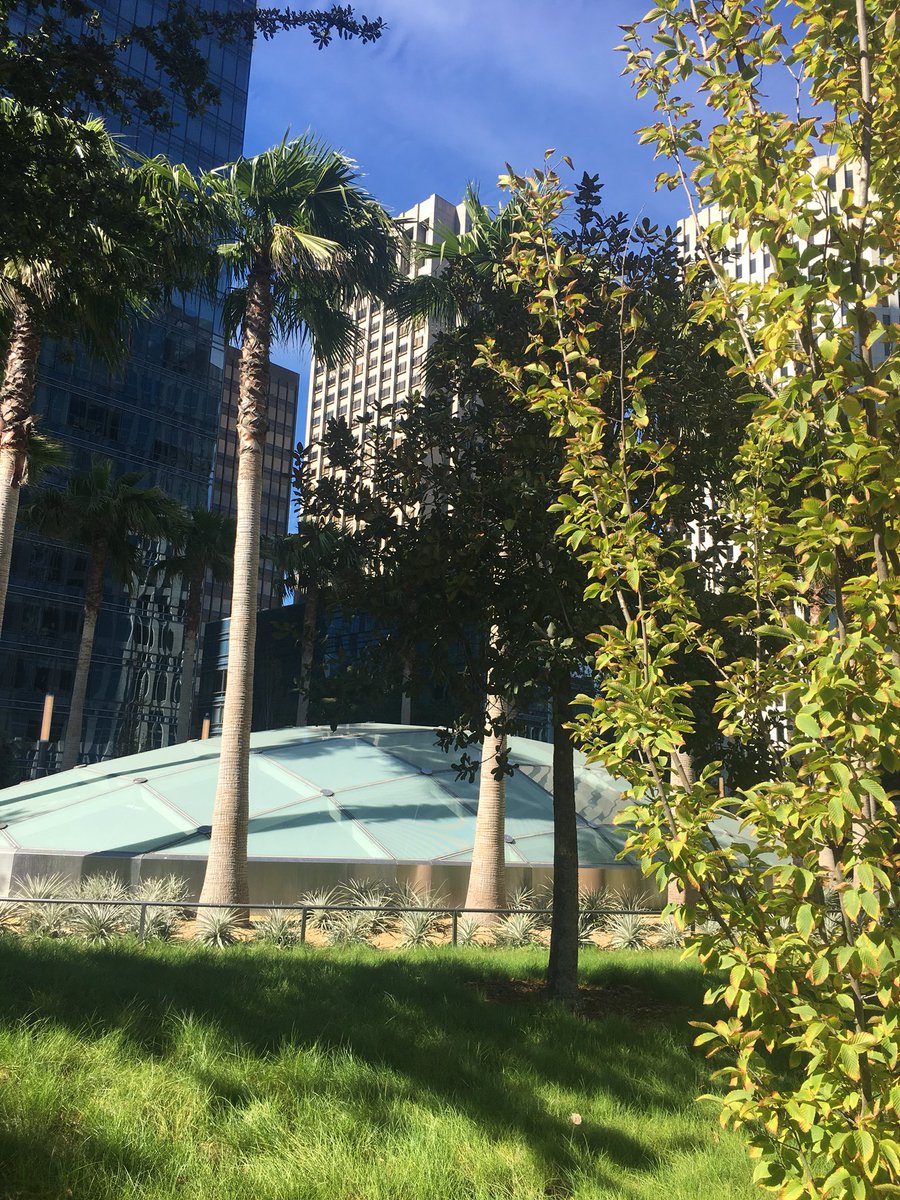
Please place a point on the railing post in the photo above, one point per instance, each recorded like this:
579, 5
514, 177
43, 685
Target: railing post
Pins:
454, 926
142, 924
304, 913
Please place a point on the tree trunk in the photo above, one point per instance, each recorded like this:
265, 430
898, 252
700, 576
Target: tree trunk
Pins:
189, 657
307, 652
16, 400
93, 598
487, 882
226, 880
406, 693
562, 970
681, 774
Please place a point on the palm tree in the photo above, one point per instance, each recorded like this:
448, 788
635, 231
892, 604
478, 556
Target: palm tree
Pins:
202, 543
471, 272
105, 515
112, 244
487, 875
303, 240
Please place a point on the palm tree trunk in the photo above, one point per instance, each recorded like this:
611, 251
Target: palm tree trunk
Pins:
188, 657
307, 652
16, 400
562, 970
487, 877
226, 880
93, 598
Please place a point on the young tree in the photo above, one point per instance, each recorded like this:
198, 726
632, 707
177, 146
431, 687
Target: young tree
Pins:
497, 468
805, 905
300, 240
202, 544
105, 514
315, 560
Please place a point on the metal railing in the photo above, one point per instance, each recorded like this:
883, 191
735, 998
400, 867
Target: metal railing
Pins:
304, 910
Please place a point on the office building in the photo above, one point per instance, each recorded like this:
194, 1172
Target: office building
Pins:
158, 415
388, 363
275, 510
745, 264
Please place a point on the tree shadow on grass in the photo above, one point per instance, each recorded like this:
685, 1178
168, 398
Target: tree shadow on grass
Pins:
424, 1017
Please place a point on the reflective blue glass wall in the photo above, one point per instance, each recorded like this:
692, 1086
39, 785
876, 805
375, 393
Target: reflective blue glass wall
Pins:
158, 415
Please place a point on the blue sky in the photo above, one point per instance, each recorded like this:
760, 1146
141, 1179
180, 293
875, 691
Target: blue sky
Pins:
454, 89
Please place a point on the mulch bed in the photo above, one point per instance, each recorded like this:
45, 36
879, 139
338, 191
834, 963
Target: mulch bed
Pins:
595, 1002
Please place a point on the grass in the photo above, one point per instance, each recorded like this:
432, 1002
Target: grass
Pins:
349, 1074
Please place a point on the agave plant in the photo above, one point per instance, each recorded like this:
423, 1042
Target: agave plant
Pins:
629, 900
317, 902
588, 926
376, 896
519, 929
217, 926
158, 922
593, 910
669, 936
45, 920
406, 895
278, 928
352, 928
10, 916
522, 897
467, 929
97, 922
628, 931
417, 927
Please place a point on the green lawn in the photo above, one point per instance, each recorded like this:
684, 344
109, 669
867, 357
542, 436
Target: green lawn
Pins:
349, 1075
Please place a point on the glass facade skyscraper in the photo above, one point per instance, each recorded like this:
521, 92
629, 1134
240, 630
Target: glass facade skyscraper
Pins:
158, 415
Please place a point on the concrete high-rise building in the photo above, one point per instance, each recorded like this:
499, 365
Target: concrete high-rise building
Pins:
387, 366
284, 386
158, 415
746, 265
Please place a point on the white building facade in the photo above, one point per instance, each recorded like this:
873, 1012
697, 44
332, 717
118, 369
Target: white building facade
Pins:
388, 364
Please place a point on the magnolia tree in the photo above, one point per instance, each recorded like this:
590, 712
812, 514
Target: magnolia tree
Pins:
802, 908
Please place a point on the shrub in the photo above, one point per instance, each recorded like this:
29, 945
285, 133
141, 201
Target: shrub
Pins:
467, 932
591, 917
316, 901
629, 899
520, 929
628, 931
279, 928
97, 922
669, 935
158, 922
372, 895
10, 917
352, 928
417, 927
217, 926
44, 920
